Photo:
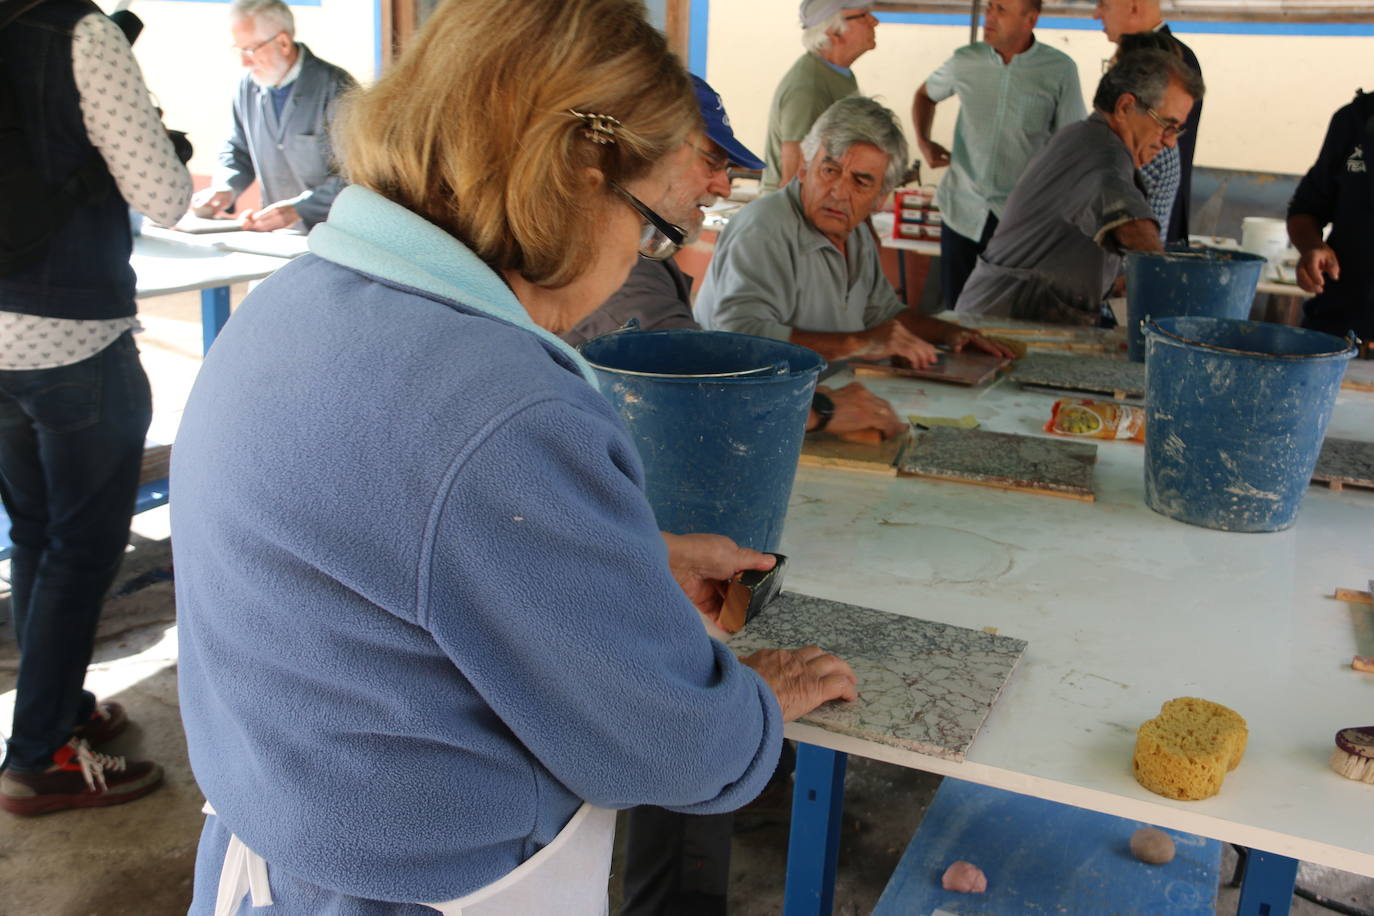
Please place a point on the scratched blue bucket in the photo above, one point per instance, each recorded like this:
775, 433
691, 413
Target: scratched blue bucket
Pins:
1235, 416
718, 419
1192, 281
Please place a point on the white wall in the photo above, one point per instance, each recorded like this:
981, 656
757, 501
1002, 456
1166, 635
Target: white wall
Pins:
1268, 102
186, 57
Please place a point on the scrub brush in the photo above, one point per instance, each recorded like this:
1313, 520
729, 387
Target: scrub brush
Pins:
1353, 757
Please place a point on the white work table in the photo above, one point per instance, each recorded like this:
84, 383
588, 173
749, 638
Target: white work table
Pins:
166, 265
1122, 609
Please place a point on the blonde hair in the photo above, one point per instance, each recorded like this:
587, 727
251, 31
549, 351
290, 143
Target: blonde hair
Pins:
474, 128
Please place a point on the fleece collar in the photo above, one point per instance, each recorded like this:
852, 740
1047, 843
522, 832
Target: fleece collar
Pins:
369, 233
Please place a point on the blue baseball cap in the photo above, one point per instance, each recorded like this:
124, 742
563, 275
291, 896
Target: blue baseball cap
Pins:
718, 126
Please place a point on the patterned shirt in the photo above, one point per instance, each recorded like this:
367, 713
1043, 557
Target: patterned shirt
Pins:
1161, 177
1007, 113
128, 133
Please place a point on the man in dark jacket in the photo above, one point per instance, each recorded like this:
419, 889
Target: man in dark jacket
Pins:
282, 116
1338, 191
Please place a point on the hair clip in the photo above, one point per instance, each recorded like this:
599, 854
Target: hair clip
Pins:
600, 128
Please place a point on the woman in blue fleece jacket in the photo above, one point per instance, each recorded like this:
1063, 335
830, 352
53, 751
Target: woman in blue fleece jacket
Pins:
425, 615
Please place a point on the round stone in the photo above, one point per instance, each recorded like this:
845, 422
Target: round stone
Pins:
1151, 846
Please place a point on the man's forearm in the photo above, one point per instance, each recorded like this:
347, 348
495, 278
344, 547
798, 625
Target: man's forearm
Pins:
831, 345
927, 327
922, 115
1304, 232
1139, 235
791, 162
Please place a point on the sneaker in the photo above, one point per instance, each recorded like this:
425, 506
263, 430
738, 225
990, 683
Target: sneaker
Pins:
105, 724
78, 778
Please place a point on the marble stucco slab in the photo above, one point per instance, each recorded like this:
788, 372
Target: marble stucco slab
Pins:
1005, 460
1345, 462
1109, 375
923, 686
1359, 374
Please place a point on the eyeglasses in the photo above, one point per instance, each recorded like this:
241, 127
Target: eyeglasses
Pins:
864, 15
716, 162
249, 52
659, 239
1171, 128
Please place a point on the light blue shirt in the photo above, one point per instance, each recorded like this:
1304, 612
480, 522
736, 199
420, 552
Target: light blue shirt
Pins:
1007, 113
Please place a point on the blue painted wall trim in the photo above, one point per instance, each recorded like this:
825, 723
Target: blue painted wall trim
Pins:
377, 38
1310, 29
698, 37
288, 2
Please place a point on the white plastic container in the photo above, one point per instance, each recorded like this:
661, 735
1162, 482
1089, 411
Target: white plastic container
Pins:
1267, 237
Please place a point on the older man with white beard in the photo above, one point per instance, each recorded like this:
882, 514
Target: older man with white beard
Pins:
280, 134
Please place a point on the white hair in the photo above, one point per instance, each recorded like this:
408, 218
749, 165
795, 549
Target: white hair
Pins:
859, 119
269, 14
817, 38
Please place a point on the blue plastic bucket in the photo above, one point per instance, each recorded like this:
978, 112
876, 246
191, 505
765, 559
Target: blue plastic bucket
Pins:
1235, 416
1192, 281
718, 419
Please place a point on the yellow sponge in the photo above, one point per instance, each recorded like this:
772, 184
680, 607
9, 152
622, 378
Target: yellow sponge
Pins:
1186, 751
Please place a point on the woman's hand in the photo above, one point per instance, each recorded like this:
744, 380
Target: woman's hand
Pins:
804, 678
702, 564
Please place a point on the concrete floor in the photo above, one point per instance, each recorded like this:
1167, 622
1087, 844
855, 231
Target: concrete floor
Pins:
136, 860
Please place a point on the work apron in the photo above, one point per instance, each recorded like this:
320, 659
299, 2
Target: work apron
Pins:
568, 877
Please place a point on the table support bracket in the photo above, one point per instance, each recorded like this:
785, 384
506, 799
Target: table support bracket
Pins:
1267, 888
214, 312
814, 846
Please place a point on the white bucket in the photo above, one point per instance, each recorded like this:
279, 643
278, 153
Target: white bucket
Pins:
1266, 237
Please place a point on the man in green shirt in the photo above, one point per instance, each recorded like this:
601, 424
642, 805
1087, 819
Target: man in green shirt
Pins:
1014, 93
835, 34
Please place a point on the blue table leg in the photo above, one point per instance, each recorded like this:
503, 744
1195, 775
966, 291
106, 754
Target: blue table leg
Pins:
814, 845
214, 312
1267, 888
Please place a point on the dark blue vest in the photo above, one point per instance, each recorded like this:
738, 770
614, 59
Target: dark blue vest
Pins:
85, 272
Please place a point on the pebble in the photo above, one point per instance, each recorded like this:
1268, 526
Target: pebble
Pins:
964, 878
1151, 846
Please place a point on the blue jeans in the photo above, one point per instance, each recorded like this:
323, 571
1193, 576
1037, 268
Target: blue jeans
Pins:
71, 444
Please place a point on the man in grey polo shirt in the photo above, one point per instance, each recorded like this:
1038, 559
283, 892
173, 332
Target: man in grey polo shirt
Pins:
801, 265
1079, 205
1014, 93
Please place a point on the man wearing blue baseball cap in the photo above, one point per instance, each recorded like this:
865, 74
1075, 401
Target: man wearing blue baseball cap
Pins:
658, 293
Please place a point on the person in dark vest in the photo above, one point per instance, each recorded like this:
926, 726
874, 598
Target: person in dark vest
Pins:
74, 401
1337, 191
280, 133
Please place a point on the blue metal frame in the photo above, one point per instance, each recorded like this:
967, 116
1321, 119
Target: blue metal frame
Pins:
1267, 889
813, 848
214, 312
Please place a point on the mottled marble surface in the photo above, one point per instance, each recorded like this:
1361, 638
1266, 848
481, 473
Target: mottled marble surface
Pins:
1345, 461
957, 368
1359, 374
1002, 459
1096, 374
923, 686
